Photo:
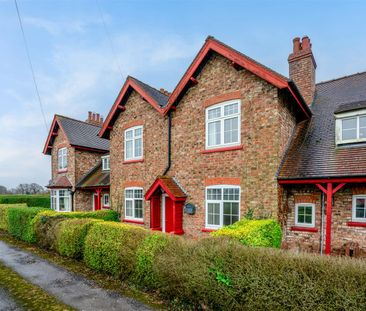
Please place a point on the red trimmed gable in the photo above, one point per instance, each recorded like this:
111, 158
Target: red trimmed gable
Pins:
55, 126
238, 60
129, 85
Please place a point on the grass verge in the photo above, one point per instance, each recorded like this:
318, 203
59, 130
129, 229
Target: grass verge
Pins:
27, 295
102, 280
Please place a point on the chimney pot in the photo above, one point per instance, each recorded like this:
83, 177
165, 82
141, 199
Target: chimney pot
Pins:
296, 42
98, 117
306, 43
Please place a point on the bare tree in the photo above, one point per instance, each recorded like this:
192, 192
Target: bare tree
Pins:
29, 189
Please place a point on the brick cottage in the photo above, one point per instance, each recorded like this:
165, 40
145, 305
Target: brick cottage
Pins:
233, 138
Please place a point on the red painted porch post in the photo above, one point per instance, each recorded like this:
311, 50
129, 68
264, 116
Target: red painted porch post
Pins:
328, 238
99, 199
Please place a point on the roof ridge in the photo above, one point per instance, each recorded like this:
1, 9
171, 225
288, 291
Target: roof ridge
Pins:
138, 80
73, 119
343, 77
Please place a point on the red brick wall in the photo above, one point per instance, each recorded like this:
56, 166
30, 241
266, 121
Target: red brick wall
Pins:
341, 215
139, 174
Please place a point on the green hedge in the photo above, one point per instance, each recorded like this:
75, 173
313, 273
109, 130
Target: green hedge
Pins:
4, 214
111, 248
20, 222
36, 200
70, 235
265, 232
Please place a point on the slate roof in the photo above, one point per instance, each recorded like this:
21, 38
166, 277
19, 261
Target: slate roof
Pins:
60, 182
96, 177
83, 134
313, 152
159, 97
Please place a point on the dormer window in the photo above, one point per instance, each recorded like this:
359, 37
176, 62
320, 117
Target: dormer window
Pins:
62, 159
105, 163
351, 127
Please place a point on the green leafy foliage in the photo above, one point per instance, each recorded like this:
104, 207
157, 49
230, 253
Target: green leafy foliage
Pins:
264, 232
70, 236
36, 200
144, 275
4, 214
20, 222
111, 248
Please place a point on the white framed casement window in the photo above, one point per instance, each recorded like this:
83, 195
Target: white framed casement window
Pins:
62, 158
359, 208
106, 163
134, 143
351, 127
223, 124
106, 200
134, 201
61, 200
305, 214
222, 205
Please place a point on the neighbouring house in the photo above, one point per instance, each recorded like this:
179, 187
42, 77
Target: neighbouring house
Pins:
236, 138
80, 164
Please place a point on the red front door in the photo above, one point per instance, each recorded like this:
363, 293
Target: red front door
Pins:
96, 202
168, 214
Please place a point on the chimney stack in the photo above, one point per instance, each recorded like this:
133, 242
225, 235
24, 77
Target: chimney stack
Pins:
302, 67
94, 119
165, 92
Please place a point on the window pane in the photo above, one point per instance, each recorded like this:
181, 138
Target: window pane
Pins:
214, 113
363, 121
214, 194
214, 133
349, 134
129, 212
308, 219
301, 210
138, 193
129, 149
138, 208
362, 132
231, 109
129, 134
360, 202
231, 133
129, 193
300, 218
138, 132
360, 212
231, 213
308, 210
231, 194
213, 214
138, 147
349, 123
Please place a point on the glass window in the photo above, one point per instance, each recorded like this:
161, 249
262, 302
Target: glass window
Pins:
134, 143
222, 206
351, 128
62, 158
223, 124
134, 203
105, 163
61, 200
106, 200
305, 215
359, 207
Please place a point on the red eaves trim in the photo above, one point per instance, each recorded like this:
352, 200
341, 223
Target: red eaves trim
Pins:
208, 230
139, 222
305, 229
89, 149
213, 45
133, 161
93, 187
297, 100
116, 106
223, 149
321, 180
356, 224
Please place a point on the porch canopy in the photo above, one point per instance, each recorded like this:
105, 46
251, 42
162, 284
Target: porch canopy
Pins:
166, 205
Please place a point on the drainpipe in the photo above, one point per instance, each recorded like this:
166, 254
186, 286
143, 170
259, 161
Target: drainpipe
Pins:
322, 223
169, 143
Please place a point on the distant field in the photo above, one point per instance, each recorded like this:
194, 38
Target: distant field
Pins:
40, 200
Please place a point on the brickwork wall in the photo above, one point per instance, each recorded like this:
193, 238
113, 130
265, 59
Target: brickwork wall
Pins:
138, 174
342, 234
85, 161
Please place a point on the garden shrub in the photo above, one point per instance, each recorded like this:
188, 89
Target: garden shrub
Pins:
153, 244
111, 247
32, 200
70, 236
264, 232
20, 222
4, 214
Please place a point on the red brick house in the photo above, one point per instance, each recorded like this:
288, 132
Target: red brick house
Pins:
236, 138
80, 164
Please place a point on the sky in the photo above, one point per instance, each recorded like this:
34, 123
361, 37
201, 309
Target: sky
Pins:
82, 52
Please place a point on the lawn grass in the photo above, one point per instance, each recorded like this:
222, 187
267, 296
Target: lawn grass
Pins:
102, 280
27, 295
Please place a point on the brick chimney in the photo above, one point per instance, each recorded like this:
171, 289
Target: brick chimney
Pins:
302, 67
165, 92
94, 119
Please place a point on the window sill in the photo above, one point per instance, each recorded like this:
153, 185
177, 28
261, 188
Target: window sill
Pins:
62, 171
208, 230
222, 149
133, 221
356, 224
106, 207
133, 161
304, 229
